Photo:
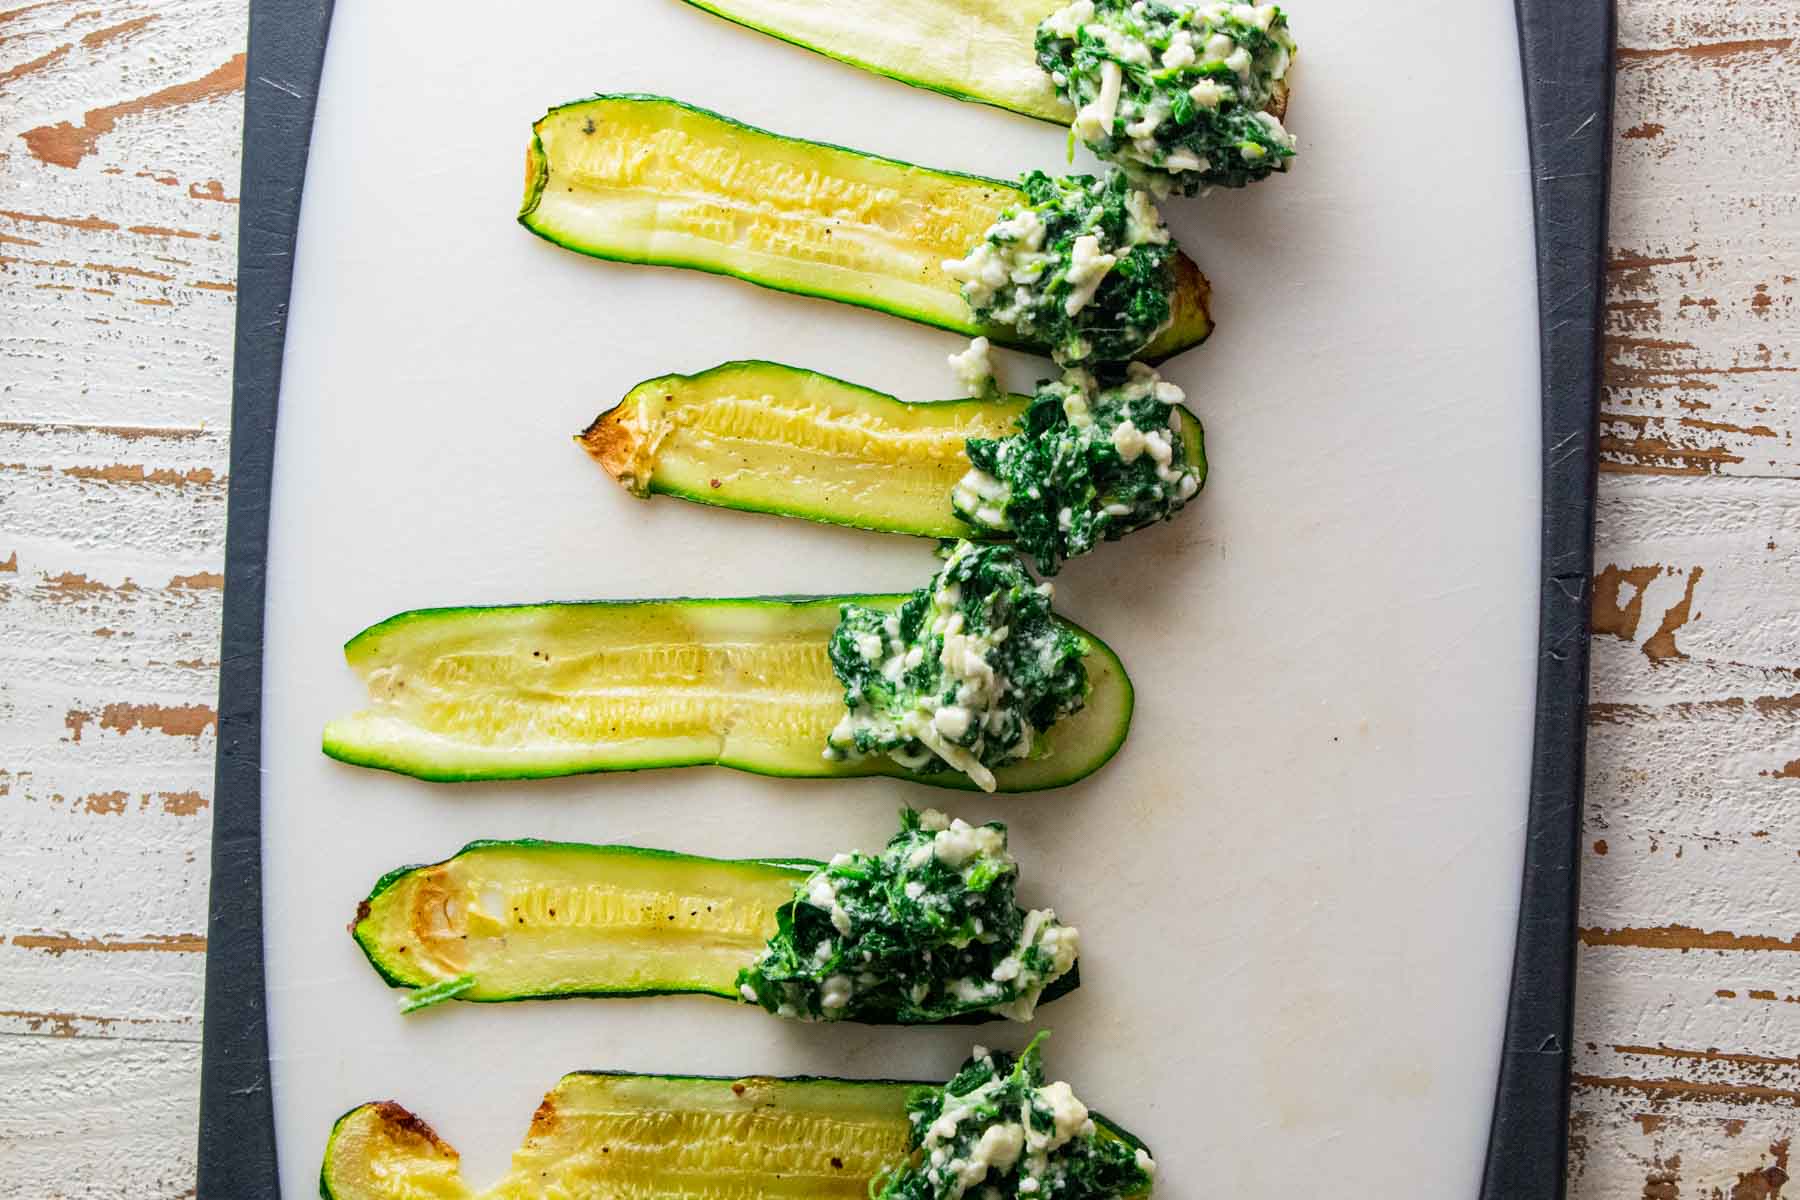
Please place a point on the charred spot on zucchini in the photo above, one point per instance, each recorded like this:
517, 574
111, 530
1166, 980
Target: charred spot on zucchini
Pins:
538, 690
927, 930
968, 674
1083, 266
1090, 463
599, 1133
531, 920
997, 1129
646, 179
1182, 95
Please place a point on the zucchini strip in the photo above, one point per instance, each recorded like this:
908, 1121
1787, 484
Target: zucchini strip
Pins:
647, 179
531, 691
765, 437
535, 920
680, 1137
979, 50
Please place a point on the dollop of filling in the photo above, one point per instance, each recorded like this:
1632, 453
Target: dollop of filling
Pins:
997, 1130
1090, 463
1083, 267
1178, 94
924, 931
966, 675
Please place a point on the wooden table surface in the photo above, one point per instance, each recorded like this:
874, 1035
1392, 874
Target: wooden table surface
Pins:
119, 155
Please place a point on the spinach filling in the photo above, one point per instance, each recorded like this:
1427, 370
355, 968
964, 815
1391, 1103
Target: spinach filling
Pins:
1176, 93
999, 1132
966, 675
1084, 267
925, 931
1090, 463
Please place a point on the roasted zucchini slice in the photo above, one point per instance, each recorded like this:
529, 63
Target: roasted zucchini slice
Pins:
647, 179
533, 920
764, 437
653, 1136
980, 50
538, 690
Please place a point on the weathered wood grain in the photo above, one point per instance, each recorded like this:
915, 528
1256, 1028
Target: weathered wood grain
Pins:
1701, 316
118, 167
119, 126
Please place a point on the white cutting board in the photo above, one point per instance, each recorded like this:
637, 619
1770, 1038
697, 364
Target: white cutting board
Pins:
1296, 884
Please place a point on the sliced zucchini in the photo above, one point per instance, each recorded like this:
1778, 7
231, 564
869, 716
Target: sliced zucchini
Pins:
980, 50
527, 920
647, 179
764, 437
530, 691
651, 1136
534, 920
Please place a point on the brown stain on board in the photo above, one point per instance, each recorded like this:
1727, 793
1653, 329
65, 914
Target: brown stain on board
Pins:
182, 804
138, 473
14, 13
72, 585
200, 581
212, 189
1683, 938
1661, 645
112, 33
1706, 51
1790, 771
1764, 1183
165, 231
1712, 1056
1649, 1122
214, 285
1682, 1090
58, 944
1609, 615
65, 145
1613, 712
182, 720
138, 272
1621, 618
1664, 1180
89, 224
65, 1024
105, 803
128, 433
11, 565
40, 63
1649, 129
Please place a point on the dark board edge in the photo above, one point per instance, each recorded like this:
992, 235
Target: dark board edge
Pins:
1566, 49
237, 1118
